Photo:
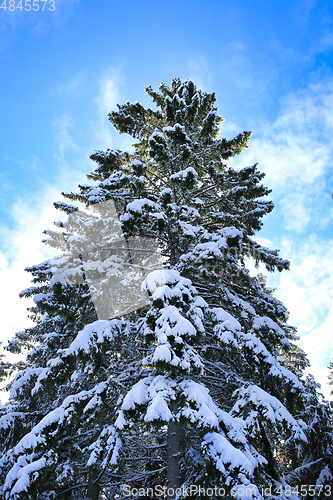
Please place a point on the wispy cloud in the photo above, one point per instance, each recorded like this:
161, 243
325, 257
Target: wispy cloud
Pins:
76, 86
21, 247
54, 18
40, 22
198, 70
31, 164
249, 81
109, 94
107, 99
64, 139
312, 275
296, 153
71, 157
21, 241
307, 292
295, 210
297, 146
296, 150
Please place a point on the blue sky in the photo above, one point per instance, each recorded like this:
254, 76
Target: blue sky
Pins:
270, 64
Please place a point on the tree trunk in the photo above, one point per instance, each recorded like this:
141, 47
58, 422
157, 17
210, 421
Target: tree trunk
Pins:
271, 467
175, 429
93, 485
175, 436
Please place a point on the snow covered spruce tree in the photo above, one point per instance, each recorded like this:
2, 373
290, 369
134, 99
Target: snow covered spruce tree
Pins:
195, 381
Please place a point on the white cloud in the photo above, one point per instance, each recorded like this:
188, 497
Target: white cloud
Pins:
109, 95
307, 291
296, 150
312, 275
63, 125
21, 238
297, 146
319, 342
247, 81
31, 164
75, 86
54, 18
197, 69
294, 207
21, 247
265, 242
296, 153
319, 346
72, 158
228, 129
40, 22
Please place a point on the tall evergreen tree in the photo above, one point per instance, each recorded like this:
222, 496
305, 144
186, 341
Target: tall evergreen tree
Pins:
193, 381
